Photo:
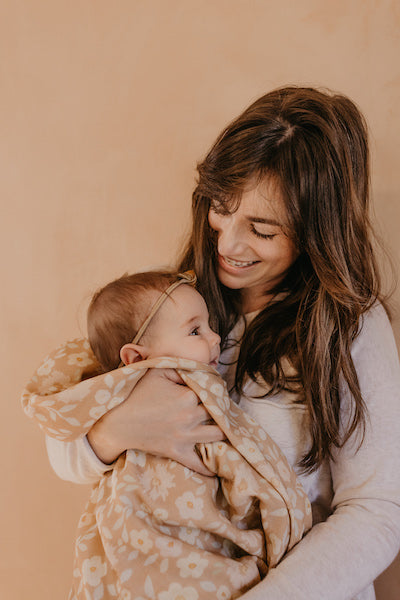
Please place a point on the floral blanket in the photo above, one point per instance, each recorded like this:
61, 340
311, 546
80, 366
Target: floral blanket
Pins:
152, 528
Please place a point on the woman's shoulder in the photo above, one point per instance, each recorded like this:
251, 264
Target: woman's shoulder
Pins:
376, 313
375, 322
374, 348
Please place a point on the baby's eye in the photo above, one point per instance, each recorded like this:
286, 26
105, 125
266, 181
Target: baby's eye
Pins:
195, 331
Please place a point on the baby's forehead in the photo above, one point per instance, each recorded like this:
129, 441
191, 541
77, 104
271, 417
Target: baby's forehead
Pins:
184, 302
179, 307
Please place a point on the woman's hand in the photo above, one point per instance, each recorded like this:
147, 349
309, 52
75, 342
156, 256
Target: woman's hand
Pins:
161, 416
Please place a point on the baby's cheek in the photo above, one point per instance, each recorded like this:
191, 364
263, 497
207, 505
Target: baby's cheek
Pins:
201, 352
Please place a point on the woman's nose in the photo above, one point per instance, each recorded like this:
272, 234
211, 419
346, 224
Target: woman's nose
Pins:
230, 241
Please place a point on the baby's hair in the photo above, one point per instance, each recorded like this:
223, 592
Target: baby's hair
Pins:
117, 311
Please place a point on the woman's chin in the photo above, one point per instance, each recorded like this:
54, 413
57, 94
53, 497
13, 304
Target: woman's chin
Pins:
229, 281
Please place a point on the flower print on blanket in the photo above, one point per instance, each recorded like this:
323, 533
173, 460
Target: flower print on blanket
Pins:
152, 528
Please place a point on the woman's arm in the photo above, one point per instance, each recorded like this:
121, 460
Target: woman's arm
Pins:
161, 416
75, 461
341, 556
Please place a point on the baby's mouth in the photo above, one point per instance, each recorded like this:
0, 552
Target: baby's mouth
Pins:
214, 362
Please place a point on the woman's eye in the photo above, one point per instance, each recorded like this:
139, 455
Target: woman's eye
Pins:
195, 331
263, 236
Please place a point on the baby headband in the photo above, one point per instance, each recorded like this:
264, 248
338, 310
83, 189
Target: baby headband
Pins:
186, 277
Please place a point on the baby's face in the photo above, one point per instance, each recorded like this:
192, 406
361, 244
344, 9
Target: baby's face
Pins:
180, 328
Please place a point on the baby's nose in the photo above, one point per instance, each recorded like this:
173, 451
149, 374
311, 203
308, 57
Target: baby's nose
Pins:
216, 338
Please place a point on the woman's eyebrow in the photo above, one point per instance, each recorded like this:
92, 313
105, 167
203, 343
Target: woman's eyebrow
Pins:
263, 220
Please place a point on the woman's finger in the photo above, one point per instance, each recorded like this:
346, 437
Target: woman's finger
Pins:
172, 375
208, 433
192, 461
201, 414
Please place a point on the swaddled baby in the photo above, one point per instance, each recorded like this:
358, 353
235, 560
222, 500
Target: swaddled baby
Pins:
153, 528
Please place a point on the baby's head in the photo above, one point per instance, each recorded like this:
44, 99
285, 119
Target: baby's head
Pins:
147, 315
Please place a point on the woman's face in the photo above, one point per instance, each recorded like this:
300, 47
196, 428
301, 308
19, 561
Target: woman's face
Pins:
254, 250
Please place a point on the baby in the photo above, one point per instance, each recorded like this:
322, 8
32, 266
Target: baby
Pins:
152, 527
148, 315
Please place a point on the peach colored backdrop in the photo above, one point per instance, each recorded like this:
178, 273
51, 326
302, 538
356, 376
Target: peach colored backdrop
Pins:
105, 108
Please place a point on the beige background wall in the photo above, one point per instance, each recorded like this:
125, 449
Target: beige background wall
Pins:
105, 107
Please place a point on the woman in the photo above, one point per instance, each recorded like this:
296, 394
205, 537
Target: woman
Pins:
281, 246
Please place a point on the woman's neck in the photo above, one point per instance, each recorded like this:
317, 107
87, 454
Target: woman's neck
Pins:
252, 301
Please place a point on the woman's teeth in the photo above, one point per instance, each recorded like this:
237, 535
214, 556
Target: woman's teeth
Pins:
239, 263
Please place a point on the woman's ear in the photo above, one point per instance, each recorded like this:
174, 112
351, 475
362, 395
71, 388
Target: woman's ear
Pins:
131, 353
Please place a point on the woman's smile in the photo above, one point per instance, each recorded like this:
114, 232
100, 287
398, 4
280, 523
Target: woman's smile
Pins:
233, 264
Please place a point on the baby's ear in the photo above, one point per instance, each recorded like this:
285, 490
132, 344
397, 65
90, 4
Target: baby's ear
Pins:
131, 353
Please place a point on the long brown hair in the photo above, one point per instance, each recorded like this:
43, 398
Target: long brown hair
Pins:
314, 145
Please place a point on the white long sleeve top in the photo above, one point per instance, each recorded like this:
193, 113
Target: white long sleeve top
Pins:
355, 497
